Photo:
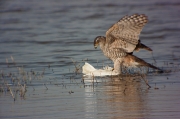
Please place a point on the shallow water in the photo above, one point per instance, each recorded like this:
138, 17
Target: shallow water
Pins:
48, 35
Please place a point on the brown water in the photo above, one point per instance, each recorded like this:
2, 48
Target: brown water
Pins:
44, 35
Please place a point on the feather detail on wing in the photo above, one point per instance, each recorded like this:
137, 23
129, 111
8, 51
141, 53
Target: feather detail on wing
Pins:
125, 33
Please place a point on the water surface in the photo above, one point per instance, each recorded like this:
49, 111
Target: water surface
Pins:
45, 36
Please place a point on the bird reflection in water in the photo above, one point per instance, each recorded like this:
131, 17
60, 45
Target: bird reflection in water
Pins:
121, 97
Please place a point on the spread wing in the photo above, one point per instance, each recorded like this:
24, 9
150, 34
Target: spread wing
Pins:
125, 33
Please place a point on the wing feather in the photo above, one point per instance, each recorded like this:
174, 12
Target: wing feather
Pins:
125, 33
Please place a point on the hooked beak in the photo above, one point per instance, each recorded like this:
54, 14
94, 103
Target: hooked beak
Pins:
95, 46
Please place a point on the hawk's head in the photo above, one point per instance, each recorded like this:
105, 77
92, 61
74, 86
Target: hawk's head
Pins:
99, 40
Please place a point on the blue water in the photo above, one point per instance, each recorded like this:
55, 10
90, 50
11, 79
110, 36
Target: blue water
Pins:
42, 34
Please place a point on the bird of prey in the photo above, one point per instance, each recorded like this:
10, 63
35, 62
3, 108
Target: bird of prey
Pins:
122, 39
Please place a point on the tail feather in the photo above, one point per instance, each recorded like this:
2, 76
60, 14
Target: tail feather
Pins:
143, 63
154, 67
142, 46
145, 47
